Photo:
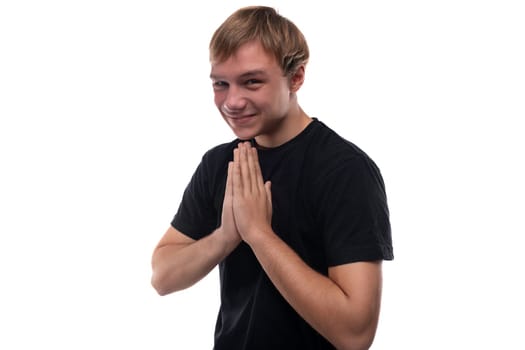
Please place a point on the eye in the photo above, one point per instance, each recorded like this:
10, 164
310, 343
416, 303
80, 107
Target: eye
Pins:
253, 83
219, 85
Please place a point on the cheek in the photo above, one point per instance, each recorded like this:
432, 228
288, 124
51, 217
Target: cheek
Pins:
275, 99
218, 98
282, 99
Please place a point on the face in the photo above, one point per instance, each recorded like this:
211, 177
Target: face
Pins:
253, 95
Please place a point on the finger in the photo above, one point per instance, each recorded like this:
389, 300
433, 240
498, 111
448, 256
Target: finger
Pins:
257, 168
236, 173
236, 154
244, 169
229, 180
254, 169
268, 189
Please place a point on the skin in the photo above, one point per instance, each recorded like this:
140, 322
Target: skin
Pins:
258, 101
255, 98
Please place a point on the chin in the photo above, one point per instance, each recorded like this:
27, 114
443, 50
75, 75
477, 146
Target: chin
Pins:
244, 134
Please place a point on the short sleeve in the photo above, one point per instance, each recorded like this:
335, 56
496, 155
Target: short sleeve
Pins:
353, 212
196, 216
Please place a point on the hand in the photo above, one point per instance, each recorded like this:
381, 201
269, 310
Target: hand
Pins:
228, 227
252, 198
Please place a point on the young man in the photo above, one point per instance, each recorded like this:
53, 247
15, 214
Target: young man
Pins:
295, 216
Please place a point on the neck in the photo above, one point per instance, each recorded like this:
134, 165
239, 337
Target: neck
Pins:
285, 129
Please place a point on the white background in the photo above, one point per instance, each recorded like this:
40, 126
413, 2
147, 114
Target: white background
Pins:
106, 108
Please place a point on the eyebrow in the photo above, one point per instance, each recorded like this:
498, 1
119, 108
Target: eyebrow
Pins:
243, 75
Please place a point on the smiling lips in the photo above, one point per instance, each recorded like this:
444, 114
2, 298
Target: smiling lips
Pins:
240, 120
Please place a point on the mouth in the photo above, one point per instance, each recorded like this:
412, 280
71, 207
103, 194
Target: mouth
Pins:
242, 116
241, 120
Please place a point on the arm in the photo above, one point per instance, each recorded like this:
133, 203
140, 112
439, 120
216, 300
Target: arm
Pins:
179, 261
343, 306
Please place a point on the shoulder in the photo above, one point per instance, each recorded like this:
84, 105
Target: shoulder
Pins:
329, 150
213, 166
220, 154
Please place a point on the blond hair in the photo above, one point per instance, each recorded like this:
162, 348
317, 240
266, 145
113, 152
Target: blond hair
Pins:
278, 36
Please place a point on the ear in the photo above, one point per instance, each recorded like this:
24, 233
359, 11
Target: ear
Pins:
297, 79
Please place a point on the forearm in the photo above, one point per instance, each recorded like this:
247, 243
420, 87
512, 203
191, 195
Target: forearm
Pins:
179, 266
337, 316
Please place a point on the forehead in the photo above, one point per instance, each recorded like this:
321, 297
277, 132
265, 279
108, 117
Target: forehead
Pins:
249, 57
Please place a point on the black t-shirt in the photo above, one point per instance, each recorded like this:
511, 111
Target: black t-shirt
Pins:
329, 206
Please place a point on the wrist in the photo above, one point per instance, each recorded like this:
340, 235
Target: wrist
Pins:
257, 236
226, 240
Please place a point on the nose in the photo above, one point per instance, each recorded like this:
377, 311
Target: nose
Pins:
235, 101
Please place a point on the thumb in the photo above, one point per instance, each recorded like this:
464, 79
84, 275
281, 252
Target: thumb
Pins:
268, 189
229, 181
